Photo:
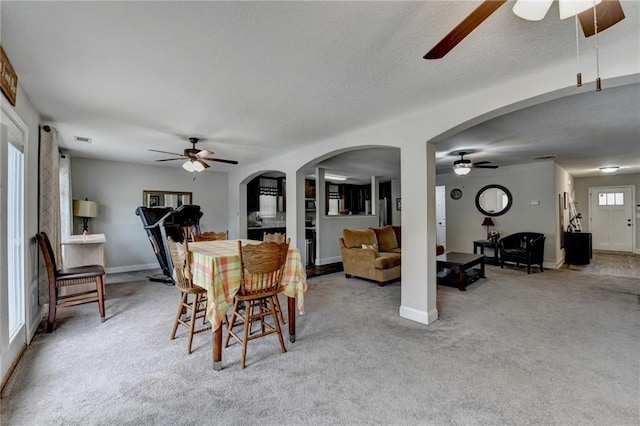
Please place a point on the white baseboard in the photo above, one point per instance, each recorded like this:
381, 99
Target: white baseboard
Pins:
552, 265
132, 268
419, 316
329, 260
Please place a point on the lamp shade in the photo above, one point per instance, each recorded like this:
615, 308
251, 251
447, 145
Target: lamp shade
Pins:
85, 208
487, 222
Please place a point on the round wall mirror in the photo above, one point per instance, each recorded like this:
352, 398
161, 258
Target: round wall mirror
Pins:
494, 200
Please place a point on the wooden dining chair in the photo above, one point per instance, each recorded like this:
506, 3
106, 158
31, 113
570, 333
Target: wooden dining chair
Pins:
68, 277
262, 269
211, 236
193, 308
275, 237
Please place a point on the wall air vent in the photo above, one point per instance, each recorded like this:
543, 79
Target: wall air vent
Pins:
547, 157
82, 139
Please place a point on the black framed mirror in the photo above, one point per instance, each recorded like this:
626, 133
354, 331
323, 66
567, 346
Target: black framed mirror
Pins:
159, 198
493, 200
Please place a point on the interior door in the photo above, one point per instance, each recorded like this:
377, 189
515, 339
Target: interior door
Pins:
441, 216
611, 218
13, 336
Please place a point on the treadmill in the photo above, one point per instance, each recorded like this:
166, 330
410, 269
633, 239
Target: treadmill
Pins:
162, 222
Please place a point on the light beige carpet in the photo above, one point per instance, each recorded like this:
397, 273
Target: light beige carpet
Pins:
558, 347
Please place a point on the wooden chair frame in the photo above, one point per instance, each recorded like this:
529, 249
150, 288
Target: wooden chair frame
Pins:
194, 309
68, 277
211, 236
262, 271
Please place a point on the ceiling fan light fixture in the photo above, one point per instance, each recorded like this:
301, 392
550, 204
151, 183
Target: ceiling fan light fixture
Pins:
532, 10
570, 8
192, 166
462, 169
536, 10
188, 166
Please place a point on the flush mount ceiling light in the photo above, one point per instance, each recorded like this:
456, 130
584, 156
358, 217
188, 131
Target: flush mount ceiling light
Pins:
334, 177
609, 169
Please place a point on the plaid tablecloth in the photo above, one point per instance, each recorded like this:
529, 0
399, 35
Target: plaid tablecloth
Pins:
215, 265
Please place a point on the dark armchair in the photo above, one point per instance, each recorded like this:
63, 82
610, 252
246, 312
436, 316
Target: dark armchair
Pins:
523, 247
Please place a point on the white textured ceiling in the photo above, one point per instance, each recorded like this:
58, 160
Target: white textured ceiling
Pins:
256, 78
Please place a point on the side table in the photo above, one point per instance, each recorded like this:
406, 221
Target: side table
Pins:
482, 244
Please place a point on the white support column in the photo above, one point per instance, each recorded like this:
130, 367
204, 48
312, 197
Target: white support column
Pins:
418, 288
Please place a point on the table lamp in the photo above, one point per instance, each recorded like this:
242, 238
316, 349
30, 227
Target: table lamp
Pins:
487, 222
85, 209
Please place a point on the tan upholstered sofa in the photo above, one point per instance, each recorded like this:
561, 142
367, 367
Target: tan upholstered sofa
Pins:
373, 253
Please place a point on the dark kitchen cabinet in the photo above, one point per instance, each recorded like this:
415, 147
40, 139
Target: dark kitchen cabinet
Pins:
253, 195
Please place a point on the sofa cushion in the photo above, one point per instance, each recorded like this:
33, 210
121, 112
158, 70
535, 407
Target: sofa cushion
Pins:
386, 238
355, 238
387, 260
373, 246
398, 230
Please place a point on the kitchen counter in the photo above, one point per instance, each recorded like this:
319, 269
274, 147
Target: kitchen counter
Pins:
267, 227
257, 232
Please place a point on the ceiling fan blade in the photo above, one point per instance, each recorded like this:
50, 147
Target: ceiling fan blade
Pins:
464, 28
608, 13
485, 167
203, 153
205, 165
481, 162
171, 159
166, 152
220, 160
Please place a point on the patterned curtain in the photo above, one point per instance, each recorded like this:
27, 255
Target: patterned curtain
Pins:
49, 200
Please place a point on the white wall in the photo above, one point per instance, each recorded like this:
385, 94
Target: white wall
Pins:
527, 183
118, 188
329, 231
582, 186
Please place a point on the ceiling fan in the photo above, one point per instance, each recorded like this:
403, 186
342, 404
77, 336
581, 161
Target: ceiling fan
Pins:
195, 157
463, 166
608, 13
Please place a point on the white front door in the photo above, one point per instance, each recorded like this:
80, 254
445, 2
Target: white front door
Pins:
441, 216
13, 336
611, 217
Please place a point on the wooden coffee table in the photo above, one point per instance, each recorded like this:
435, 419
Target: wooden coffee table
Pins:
462, 269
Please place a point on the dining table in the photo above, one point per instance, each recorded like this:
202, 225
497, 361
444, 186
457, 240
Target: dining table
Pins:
215, 266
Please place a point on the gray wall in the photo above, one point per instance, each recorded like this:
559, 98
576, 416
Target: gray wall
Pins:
527, 183
118, 188
582, 186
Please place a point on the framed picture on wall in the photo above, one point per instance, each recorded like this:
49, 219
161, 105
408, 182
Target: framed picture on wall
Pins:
565, 201
398, 204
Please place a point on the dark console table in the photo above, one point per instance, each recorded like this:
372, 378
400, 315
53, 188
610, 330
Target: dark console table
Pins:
577, 248
481, 244
462, 269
